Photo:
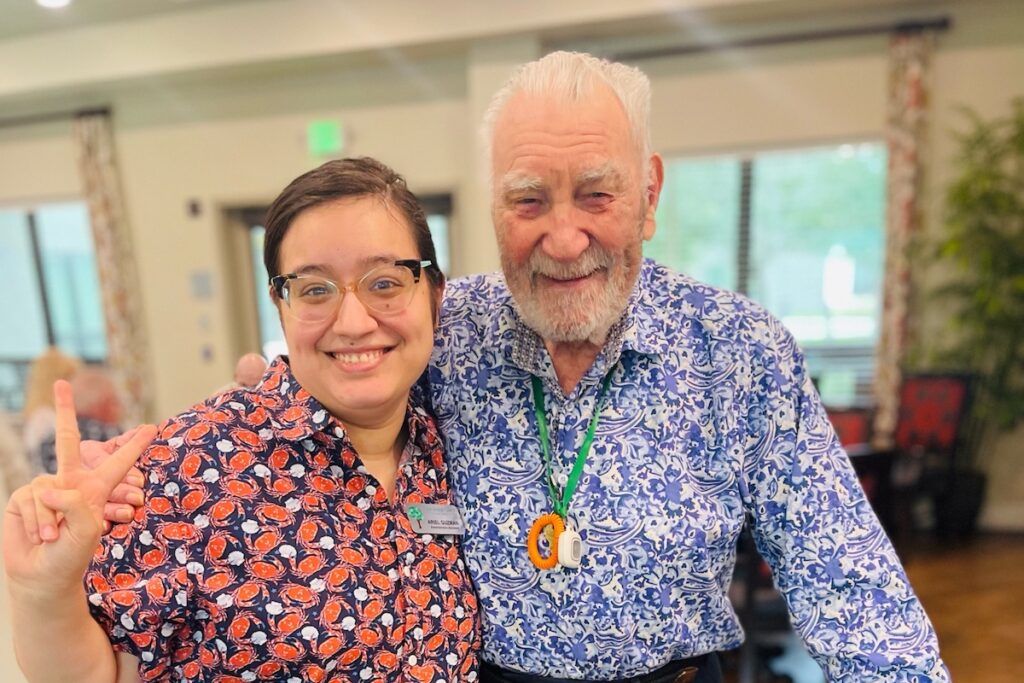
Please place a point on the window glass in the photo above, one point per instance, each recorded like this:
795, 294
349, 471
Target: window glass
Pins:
271, 335
54, 299
438, 224
72, 281
814, 246
816, 241
697, 226
23, 332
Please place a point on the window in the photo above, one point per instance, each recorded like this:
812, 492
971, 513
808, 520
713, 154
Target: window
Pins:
51, 290
438, 210
801, 232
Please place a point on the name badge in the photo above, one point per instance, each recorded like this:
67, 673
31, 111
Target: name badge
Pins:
427, 518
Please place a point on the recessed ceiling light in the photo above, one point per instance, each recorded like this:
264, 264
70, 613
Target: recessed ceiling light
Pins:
53, 4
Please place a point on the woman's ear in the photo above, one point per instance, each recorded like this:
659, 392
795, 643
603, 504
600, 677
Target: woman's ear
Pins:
437, 297
276, 300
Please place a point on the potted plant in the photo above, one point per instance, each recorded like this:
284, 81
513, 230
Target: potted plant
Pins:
981, 246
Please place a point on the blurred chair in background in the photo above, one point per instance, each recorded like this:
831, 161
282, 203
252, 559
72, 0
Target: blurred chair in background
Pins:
933, 410
852, 425
874, 466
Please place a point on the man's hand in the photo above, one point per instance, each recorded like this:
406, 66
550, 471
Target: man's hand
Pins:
127, 495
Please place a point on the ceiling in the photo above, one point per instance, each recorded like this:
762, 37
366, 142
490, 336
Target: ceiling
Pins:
25, 17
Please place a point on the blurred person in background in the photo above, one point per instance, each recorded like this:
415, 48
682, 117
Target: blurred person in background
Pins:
248, 372
99, 414
249, 369
13, 464
38, 418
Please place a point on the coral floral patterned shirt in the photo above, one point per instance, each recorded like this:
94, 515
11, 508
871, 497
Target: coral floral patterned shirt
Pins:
266, 551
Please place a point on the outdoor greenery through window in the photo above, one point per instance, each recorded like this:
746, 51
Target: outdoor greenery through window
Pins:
52, 292
799, 231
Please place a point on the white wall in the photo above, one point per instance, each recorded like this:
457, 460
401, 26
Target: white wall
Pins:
37, 163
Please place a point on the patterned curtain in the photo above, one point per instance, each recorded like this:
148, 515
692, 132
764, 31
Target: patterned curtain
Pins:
127, 350
909, 55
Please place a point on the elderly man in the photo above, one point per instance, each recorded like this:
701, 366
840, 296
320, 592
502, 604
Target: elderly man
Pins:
611, 425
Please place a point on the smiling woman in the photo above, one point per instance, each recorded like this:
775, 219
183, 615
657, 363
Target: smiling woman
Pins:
358, 354
277, 519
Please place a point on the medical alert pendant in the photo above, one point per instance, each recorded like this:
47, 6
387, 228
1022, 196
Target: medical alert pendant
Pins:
554, 521
570, 549
566, 544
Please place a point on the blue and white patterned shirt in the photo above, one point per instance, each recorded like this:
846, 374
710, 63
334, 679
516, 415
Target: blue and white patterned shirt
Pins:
710, 417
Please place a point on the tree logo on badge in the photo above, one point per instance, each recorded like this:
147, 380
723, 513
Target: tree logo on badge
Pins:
415, 513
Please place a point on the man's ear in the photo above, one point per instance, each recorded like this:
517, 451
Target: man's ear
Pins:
652, 192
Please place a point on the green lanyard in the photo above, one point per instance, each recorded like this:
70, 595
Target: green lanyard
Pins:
561, 502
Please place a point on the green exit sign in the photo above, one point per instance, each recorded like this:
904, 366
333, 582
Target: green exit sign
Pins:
325, 138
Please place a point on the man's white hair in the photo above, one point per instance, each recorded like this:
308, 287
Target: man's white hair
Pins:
572, 76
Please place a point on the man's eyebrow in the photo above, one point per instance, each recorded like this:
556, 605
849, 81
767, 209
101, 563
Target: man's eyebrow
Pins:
515, 183
605, 172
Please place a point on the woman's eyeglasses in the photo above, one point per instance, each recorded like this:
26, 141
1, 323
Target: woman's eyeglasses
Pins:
384, 289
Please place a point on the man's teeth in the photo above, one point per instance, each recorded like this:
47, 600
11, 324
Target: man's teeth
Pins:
357, 357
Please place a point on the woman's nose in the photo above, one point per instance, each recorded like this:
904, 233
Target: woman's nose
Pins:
353, 319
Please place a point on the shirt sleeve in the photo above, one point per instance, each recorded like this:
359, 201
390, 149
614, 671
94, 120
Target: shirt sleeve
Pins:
138, 583
848, 595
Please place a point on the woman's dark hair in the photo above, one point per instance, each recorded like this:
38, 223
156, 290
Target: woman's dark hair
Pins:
338, 179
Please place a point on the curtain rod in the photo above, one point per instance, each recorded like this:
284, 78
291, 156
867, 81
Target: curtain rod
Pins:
47, 117
909, 26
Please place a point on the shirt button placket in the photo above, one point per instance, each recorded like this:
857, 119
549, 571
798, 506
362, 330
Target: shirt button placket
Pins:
408, 652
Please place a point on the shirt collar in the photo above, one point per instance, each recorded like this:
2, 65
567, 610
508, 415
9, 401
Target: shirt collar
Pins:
647, 327
297, 416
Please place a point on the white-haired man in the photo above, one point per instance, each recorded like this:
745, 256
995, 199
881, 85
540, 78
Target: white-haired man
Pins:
647, 415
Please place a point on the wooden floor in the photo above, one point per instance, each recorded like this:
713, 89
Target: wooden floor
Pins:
974, 594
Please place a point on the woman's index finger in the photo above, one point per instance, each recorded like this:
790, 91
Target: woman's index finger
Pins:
68, 438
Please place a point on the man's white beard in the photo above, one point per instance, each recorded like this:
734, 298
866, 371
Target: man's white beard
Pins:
579, 316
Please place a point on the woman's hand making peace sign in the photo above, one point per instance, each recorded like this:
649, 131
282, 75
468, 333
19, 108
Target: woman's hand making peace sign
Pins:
53, 524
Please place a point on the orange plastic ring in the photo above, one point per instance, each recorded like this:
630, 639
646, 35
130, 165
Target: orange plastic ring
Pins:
555, 522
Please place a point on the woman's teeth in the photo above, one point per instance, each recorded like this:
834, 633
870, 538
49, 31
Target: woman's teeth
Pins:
366, 357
